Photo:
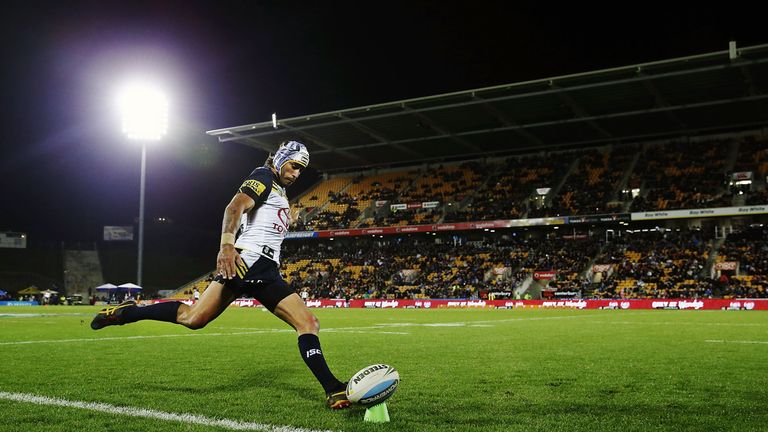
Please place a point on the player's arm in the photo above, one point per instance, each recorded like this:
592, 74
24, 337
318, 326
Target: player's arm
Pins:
228, 257
252, 193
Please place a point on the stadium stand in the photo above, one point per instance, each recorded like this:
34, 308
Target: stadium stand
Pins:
655, 263
649, 260
496, 159
670, 260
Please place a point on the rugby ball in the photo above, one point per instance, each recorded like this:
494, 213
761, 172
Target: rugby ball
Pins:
373, 384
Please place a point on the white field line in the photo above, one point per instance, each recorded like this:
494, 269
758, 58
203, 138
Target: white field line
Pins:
482, 323
340, 330
377, 329
736, 341
186, 418
471, 323
125, 338
682, 322
143, 337
38, 315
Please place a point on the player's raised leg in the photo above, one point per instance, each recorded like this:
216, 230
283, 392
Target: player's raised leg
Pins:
212, 303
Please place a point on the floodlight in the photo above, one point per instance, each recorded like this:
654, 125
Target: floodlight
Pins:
144, 112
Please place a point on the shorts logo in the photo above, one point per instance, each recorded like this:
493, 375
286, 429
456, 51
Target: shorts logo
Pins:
254, 185
313, 351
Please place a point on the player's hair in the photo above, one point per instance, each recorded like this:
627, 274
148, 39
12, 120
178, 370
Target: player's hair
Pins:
269, 163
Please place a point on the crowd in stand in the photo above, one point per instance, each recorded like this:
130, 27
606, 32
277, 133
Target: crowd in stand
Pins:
659, 263
677, 175
750, 250
681, 175
667, 262
663, 263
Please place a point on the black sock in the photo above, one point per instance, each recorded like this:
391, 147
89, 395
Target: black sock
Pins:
309, 347
165, 311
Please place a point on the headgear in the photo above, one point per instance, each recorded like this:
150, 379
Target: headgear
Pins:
291, 151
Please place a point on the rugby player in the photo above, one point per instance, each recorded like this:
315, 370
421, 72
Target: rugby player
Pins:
249, 266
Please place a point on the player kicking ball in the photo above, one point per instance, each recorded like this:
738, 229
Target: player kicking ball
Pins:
249, 265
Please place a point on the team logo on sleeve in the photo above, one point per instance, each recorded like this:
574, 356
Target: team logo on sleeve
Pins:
254, 185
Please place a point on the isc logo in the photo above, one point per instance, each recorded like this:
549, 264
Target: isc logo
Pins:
313, 351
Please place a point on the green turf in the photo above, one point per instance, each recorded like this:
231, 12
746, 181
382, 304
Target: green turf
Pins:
489, 370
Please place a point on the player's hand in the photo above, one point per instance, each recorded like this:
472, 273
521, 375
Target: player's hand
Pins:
227, 261
294, 215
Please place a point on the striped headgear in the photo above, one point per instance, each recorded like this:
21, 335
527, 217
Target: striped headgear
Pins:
291, 151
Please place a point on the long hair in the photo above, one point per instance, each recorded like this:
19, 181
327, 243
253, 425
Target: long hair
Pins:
269, 163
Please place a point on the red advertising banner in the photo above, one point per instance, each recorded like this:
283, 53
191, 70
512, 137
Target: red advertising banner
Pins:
544, 274
682, 304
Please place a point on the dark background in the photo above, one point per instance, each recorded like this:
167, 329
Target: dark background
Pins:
66, 170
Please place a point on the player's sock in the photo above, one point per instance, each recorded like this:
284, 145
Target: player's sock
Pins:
165, 311
309, 347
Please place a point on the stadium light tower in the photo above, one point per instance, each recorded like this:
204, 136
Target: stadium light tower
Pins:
145, 119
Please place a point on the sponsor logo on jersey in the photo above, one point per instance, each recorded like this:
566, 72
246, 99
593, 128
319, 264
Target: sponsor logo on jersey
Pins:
254, 185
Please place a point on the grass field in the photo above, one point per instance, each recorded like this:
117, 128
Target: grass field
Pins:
461, 370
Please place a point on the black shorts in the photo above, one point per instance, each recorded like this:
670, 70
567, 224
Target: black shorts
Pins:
261, 281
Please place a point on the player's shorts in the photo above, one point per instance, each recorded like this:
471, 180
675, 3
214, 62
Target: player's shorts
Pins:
259, 278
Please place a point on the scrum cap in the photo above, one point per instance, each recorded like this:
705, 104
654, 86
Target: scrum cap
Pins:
291, 151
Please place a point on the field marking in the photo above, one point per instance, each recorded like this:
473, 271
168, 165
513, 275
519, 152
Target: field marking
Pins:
681, 322
252, 332
144, 337
377, 330
736, 341
353, 330
330, 330
38, 315
151, 414
480, 323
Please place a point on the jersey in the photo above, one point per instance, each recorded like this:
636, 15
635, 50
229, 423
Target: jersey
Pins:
264, 227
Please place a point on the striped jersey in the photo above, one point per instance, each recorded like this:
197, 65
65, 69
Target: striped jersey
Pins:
264, 227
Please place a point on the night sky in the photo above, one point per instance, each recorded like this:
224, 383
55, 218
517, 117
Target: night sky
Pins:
66, 170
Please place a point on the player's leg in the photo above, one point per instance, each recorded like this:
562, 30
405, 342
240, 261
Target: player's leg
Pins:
212, 303
294, 311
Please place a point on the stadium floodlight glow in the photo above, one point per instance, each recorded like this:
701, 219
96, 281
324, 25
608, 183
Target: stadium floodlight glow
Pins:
144, 112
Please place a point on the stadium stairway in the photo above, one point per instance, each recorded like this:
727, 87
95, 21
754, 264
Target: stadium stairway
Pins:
322, 188
556, 190
739, 200
623, 183
185, 291
520, 290
733, 154
713, 254
82, 272
475, 192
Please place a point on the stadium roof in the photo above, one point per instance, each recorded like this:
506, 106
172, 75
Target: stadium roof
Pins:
724, 91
